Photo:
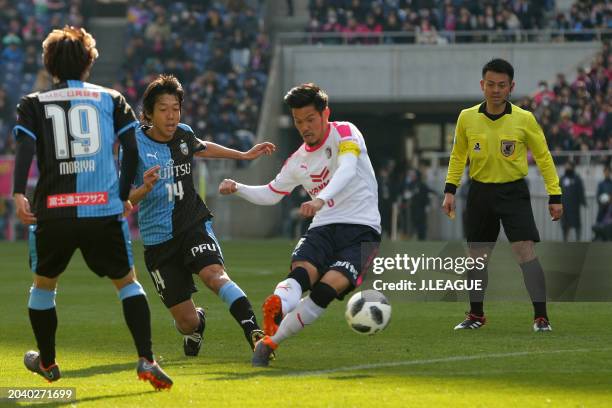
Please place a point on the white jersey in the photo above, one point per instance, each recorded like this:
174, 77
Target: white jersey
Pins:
314, 166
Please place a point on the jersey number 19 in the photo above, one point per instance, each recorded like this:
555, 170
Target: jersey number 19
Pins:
83, 125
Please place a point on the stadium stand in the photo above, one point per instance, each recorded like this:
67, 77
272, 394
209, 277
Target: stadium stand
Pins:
219, 53
443, 21
577, 115
23, 26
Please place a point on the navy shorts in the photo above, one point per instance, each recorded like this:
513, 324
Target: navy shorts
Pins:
173, 263
346, 248
104, 242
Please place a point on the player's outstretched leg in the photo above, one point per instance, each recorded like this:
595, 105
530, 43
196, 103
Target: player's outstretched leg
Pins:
192, 343
190, 321
32, 362
138, 318
286, 297
241, 309
43, 318
217, 280
272, 313
307, 311
149, 370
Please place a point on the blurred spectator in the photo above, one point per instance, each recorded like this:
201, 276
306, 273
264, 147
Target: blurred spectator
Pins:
416, 194
158, 30
604, 194
602, 230
573, 198
544, 95
386, 195
12, 53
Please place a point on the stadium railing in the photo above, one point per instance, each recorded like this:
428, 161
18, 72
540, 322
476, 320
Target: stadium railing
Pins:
443, 37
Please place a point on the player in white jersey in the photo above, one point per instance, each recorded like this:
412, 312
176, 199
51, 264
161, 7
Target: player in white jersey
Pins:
330, 259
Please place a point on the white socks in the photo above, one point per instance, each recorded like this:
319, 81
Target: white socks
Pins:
304, 314
290, 293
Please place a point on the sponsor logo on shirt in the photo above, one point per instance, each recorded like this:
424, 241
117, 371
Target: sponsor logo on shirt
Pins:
77, 199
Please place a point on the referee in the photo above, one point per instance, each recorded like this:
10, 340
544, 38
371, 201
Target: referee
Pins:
495, 136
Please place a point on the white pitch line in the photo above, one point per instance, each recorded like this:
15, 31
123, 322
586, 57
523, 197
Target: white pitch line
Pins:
314, 373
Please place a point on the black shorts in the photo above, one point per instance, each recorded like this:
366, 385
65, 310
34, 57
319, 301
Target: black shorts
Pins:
173, 263
104, 242
489, 203
346, 248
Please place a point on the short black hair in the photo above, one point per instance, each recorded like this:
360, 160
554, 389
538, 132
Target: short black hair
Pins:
305, 95
163, 84
500, 66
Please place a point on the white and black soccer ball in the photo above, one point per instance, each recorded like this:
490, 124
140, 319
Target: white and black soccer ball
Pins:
368, 312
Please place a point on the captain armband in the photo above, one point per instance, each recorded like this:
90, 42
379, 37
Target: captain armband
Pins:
349, 147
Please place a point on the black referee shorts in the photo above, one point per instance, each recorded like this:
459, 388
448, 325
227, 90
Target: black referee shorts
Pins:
490, 203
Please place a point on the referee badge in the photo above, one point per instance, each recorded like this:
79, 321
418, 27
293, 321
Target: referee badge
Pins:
507, 147
184, 148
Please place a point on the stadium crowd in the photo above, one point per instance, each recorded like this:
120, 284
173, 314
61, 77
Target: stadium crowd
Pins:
23, 26
577, 115
220, 54
437, 21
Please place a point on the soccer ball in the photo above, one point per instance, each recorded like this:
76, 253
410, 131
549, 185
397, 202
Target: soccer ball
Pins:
368, 312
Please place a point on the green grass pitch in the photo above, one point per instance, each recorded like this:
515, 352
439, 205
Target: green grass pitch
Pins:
419, 361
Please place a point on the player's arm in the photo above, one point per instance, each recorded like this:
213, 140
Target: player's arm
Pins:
348, 156
536, 142
26, 148
269, 194
346, 171
216, 151
129, 162
25, 140
260, 195
456, 167
150, 177
125, 125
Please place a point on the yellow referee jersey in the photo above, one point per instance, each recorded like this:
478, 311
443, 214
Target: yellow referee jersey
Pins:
497, 149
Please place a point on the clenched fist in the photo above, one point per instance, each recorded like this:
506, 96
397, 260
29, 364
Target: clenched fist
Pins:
228, 186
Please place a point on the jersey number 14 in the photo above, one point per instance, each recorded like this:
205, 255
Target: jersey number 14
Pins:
175, 190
